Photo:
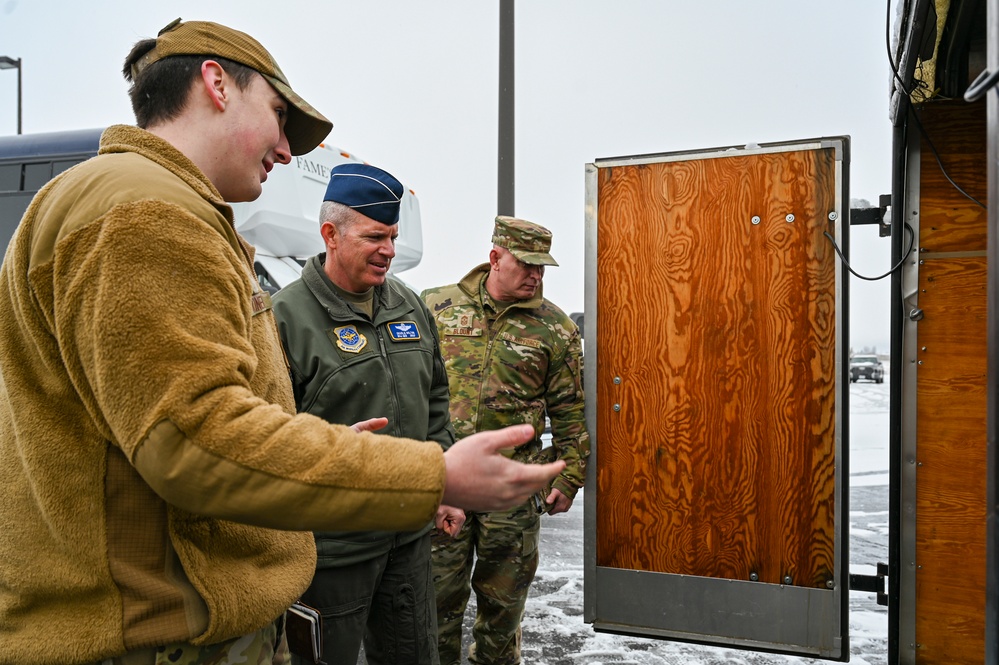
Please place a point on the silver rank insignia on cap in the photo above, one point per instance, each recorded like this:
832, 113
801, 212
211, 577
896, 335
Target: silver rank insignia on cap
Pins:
349, 340
403, 331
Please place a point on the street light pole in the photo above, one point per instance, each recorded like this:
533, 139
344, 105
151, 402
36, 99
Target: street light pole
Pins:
7, 62
505, 168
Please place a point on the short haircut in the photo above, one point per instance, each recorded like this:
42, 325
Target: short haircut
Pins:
340, 215
161, 90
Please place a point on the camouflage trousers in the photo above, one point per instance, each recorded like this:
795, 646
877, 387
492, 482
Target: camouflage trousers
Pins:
266, 646
504, 549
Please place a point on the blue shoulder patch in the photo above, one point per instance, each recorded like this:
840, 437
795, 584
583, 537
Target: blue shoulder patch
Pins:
403, 331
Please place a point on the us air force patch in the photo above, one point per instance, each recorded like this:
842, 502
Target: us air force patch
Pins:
349, 340
403, 331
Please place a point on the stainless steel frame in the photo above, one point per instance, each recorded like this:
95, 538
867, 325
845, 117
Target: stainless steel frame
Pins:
590, 359
992, 523
908, 368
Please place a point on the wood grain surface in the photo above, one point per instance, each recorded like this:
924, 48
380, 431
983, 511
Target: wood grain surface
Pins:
951, 449
952, 459
720, 461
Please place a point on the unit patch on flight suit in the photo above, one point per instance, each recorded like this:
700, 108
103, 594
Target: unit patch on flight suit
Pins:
349, 340
403, 331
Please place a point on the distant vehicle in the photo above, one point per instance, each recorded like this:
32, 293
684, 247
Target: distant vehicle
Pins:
282, 224
866, 367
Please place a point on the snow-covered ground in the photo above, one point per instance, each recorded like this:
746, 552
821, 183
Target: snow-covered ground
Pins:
554, 632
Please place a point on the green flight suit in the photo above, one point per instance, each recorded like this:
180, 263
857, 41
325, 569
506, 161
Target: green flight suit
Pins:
347, 367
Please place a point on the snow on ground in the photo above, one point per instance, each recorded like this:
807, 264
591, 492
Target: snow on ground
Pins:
554, 631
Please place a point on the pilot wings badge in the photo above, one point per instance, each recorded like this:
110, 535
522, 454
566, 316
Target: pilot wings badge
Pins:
349, 340
403, 331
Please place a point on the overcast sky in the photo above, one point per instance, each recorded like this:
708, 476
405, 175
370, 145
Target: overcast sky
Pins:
411, 86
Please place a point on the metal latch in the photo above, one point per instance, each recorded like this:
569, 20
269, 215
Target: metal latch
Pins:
872, 583
879, 216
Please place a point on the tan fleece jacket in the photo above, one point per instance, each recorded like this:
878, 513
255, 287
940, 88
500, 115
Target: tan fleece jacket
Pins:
151, 467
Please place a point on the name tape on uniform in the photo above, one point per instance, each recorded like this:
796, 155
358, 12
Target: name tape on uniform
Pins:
403, 331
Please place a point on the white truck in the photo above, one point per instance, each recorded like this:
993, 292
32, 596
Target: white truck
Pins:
282, 223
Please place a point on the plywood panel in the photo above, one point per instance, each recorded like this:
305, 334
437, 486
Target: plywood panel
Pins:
948, 221
951, 457
950, 389
716, 339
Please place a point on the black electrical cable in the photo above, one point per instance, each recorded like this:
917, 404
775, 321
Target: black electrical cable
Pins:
915, 116
912, 241
940, 163
891, 58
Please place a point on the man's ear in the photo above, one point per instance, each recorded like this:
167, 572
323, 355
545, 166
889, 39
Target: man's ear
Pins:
329, 234
215, 82
494, 257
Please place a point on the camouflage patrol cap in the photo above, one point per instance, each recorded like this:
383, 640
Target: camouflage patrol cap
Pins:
306, 127
527, 241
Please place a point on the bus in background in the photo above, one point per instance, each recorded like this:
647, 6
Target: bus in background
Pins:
282, 224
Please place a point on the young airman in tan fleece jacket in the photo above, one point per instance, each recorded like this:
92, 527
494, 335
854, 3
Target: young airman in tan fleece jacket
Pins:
157, 486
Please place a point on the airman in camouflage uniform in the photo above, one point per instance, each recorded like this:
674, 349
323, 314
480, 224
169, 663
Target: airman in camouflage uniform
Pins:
512, 357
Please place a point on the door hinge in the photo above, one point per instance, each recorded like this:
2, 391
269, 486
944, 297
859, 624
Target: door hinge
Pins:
879, 216
872, 583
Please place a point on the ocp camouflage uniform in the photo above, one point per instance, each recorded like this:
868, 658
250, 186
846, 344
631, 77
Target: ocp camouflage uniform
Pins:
506, 364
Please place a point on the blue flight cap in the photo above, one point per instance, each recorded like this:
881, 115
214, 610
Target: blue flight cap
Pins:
367, 189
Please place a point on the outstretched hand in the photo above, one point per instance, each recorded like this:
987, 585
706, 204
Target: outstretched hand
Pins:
480, 479
370, 425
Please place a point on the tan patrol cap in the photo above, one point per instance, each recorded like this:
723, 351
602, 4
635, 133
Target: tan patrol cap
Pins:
528, 241
306, 127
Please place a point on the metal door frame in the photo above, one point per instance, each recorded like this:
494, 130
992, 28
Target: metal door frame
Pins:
790, 614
